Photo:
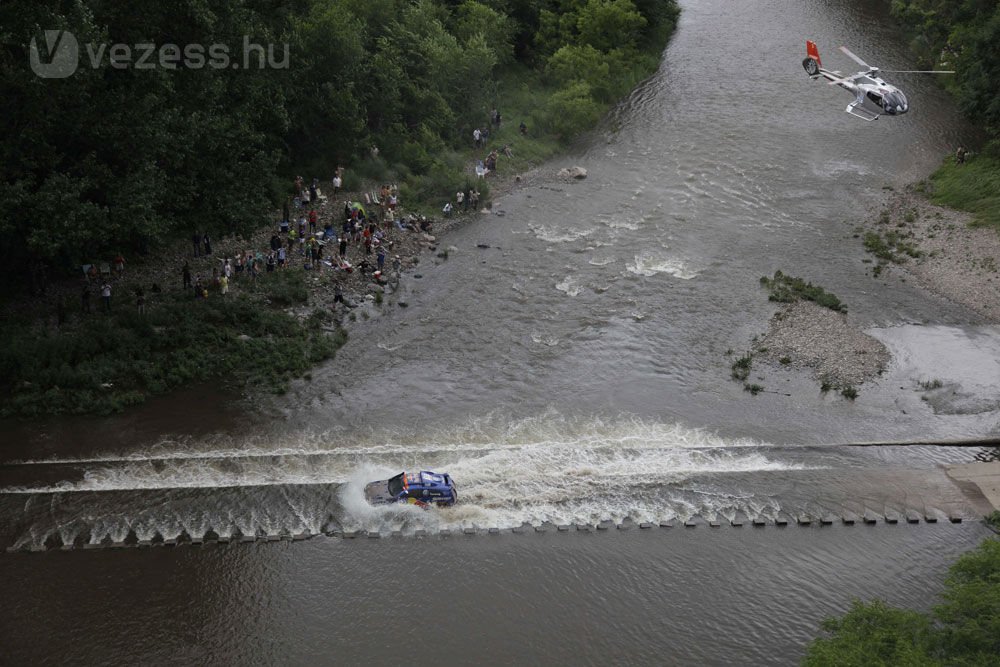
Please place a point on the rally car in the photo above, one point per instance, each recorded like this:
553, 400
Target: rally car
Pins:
423, 488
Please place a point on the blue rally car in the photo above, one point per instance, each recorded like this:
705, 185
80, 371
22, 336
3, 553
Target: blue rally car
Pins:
416, 488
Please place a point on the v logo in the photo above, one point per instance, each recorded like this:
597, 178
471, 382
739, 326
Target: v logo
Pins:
62, 55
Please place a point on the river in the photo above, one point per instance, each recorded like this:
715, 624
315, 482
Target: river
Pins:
567, 364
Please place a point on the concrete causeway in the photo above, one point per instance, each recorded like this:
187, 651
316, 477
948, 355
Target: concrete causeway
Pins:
984, 476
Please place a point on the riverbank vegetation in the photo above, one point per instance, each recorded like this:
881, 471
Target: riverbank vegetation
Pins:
144, 144
973, 187
963, 630
134, 152
105, 362
962, 36
789, 289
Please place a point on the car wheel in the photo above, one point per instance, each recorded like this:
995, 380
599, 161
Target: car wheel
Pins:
810, 66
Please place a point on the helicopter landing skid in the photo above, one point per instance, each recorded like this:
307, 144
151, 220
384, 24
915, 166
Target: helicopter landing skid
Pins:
864, 114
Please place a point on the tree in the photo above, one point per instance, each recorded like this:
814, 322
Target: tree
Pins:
964, 630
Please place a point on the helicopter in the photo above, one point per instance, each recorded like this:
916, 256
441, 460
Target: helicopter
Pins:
872, 95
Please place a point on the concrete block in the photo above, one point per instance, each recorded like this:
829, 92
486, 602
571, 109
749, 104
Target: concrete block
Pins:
871, 517
645, 525
420, 532
954, 517
912, 516
494, 531
445, 532
714, 523
469, 531
374, 535
781, 520
690, 523
931, 517
562, 528
736, 521
759, 521
891, 517
666, 524
827, 520
849, 518
301, 536
804, 520
351, 534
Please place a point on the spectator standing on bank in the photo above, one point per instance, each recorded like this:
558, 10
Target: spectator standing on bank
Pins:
208, 244
196, 242
186, 274
106, 296
85, 299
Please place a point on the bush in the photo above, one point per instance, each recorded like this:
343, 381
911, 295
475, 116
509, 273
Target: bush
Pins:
964, 630
787, 289
105, 363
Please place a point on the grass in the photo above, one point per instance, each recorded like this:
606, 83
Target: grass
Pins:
741, 367
993, 519
787, 289
103, 363
973, 187
893, 246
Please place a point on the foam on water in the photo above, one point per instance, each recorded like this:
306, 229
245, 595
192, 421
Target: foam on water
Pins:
330, 458
650, 263
559, 234
569, 286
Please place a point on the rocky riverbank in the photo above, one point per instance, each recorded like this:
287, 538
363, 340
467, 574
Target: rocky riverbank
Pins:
935, 247
939, 249
807, 335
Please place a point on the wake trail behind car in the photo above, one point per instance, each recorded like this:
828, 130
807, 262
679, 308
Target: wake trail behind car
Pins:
548, 468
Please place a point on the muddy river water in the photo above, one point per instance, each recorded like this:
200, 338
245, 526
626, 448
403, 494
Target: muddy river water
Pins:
573, 372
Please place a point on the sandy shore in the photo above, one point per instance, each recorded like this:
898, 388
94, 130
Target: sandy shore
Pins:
957, 262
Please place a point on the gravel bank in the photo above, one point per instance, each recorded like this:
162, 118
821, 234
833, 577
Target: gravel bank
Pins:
805, 335
957, 262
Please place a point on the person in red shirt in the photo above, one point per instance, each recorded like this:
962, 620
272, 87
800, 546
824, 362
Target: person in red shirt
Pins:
119, 265
313, 219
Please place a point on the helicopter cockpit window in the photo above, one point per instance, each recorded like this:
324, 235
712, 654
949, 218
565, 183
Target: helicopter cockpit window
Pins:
875, 97
894, 102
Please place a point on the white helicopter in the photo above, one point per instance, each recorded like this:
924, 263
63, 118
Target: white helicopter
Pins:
872, 95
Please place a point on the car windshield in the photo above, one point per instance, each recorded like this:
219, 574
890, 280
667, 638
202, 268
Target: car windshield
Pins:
396, 485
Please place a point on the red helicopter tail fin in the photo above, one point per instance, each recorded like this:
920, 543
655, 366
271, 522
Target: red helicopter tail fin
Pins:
813, 52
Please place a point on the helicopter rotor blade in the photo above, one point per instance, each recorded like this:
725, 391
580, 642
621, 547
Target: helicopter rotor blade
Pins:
845, 79
855, 58
918, 71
